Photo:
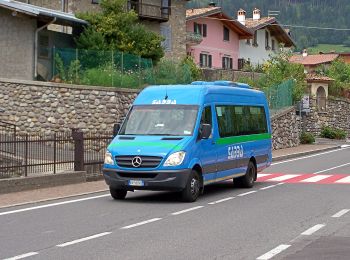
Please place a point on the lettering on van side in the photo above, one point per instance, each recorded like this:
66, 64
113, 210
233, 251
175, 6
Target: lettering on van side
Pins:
164, 102
234, 152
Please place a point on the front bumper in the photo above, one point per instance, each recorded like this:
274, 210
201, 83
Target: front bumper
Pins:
171, 180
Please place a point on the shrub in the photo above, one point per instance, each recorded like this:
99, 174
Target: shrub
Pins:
307, 138
333, 133
106, 77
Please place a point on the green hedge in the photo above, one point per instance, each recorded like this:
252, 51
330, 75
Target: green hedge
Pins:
332, 133
307, 138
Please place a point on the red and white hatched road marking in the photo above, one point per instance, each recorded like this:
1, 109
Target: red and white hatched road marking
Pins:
304, 178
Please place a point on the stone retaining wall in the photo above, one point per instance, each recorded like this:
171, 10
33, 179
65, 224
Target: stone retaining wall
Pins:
285, 129
336, 115
38, 106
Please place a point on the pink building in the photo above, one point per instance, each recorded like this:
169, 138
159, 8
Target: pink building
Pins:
215, 37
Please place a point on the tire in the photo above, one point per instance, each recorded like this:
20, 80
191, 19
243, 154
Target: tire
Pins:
193, 188
118, 194
246, 181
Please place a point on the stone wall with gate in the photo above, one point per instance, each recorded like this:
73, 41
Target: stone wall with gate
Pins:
335, 114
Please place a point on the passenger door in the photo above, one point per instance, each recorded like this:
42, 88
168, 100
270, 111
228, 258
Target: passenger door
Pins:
208, 154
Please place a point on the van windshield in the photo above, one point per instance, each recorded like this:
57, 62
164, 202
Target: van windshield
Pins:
176, 120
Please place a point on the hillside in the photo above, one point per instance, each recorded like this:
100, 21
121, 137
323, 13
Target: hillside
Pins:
314, 13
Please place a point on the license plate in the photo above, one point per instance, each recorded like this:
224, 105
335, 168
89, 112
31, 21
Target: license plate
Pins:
136, 183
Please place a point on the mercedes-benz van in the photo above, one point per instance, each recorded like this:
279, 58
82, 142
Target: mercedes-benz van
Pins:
183, 137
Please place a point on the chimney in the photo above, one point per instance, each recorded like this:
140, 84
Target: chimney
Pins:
241, 16
212, 4
256, 14
305, 53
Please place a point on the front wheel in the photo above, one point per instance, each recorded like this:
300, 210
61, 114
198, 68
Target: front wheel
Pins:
246, 181
118, 194
192, 189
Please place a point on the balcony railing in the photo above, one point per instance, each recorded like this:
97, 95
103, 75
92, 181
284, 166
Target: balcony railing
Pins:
193, 38
150, 11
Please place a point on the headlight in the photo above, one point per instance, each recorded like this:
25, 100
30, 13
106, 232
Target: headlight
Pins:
175, 159
109, 158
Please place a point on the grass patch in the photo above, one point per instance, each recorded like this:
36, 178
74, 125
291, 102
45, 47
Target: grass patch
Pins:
328, 48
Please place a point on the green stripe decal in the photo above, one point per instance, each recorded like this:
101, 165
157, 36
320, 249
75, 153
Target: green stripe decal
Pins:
243, 138
142, 144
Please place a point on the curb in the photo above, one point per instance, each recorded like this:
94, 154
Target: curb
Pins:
295, 155
40, 181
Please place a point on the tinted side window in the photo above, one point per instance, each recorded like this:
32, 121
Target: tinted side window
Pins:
206, 116
241, 120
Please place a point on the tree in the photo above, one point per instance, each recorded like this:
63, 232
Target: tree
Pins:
278, 70
115, 28
340, 72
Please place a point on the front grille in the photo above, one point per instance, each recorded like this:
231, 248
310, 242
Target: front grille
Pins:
147, 161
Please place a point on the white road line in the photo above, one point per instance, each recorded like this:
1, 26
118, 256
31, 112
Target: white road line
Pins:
186, 210
246, 193
316, 178
22, 256
313, 229
284, 177
263, 175
52, 205
222, 200
340, 213
344, 180
326, 170
309, 156
273, 252
84, 239
268, 187
141, 223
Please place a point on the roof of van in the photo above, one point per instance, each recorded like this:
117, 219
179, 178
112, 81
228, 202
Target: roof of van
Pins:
193, 93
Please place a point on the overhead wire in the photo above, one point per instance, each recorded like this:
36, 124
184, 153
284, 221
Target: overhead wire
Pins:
285, 25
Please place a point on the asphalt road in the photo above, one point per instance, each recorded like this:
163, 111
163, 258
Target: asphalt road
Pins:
300, 219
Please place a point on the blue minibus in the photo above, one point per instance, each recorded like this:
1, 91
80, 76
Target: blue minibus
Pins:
183, 137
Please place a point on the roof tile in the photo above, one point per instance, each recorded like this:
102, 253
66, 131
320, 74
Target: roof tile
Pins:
313, 59
200, 11
254, 23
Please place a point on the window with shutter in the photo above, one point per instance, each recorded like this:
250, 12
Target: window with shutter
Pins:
200, 29
204, 30
255, 39
226, 34
205, 60
226, 62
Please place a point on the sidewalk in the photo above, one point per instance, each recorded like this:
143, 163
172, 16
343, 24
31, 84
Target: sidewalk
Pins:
65, 191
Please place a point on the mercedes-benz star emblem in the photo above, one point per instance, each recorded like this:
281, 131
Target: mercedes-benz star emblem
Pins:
136, 161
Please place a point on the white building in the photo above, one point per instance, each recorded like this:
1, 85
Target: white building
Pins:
269, 35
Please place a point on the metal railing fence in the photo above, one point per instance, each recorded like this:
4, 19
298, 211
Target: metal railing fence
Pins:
7, 134
42, 153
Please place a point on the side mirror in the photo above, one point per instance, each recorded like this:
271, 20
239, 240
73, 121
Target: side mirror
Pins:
116, 128
205, 131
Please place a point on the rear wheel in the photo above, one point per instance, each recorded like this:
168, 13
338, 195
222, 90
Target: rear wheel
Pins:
118, 194
193, 188
247, 181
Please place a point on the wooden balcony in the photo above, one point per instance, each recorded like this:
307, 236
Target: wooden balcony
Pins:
150, 11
